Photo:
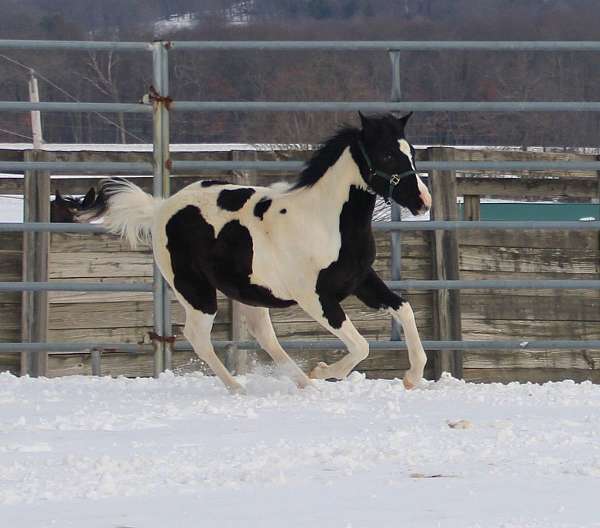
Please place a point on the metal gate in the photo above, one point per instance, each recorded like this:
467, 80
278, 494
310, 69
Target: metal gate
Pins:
158, 102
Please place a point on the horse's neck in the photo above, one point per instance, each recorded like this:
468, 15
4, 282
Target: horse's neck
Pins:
333, 190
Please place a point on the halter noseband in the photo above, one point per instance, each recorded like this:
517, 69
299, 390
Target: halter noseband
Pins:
392, 179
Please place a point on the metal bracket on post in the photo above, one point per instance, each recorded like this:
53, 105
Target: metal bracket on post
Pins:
159, 97
396, 258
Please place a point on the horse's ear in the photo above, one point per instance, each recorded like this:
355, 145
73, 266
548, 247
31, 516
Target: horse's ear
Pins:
89, 198
403, 120
369, 126
363, 119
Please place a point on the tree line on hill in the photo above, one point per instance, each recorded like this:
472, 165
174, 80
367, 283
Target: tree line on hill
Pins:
306, 75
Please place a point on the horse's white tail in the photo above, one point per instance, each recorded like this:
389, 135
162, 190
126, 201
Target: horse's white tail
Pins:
126, 210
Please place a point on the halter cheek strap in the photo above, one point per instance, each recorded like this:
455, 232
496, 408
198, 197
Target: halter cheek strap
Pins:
391, 179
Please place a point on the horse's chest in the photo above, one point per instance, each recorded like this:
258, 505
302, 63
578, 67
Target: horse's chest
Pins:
343, 275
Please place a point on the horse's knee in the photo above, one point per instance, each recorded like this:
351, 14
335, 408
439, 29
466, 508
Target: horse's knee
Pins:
405, 313
198, 326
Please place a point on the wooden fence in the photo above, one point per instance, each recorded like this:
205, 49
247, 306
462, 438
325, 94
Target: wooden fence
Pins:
471, 314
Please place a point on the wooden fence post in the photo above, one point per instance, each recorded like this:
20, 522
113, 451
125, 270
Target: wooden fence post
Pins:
446, 303
472, 207
34, 308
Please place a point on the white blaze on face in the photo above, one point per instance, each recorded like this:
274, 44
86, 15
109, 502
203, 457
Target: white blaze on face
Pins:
423, 190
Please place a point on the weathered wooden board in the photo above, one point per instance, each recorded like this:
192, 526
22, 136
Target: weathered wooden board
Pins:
537, 238
10, 363
529, 260
11, 242
529, 330
530, 375
10, 265
562, 189
73, 265
533, 359
562, 307
10, 317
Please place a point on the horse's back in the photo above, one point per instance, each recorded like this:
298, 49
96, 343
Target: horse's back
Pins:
213, 232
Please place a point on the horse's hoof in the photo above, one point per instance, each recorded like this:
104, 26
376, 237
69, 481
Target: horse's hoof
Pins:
320, 371
303, 382
237, 389
408, 385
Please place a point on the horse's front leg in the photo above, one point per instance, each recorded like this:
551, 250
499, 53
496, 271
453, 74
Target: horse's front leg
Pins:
328, 312
375, 294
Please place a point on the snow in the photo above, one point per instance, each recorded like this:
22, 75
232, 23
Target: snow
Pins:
147, 147
175, 23
180, 451
11, 208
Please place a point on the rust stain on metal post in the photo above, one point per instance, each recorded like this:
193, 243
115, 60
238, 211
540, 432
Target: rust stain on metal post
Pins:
155, 98
161, 339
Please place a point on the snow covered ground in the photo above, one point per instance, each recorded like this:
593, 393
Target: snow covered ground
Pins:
179, 451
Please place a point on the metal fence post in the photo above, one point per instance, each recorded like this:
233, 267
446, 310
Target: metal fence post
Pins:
396, 248
159, 96
446, 303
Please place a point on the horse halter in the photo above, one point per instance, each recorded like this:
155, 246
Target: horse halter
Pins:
391, 179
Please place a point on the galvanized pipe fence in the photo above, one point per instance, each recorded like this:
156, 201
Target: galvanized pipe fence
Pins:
160, 105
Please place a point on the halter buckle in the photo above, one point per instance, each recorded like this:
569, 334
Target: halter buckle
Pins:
394, 180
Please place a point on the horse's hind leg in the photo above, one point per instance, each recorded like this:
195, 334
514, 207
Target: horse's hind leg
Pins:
260, 326
197, 331
199, 299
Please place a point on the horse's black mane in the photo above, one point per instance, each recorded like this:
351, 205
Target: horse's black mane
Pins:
326, 156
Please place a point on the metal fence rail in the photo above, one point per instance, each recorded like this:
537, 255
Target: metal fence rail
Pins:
160, 107
274, 45
321, 344
313, 106
181, 167
430, 225
76, 286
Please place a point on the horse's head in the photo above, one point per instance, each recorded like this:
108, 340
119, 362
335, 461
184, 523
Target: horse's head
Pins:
64, 209
388, 167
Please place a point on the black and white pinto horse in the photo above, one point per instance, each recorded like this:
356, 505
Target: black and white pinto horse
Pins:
309, 243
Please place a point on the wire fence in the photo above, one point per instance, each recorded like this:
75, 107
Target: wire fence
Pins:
160, 105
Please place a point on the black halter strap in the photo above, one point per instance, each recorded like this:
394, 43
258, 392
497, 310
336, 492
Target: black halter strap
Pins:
391, 179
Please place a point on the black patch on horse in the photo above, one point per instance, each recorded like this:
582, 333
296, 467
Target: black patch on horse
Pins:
187, 231
202, 263
234, 199
375, 294
357, 253
210, 183
262, 207
283, 211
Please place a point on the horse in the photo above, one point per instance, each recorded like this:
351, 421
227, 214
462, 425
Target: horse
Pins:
65, 209
309, 243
